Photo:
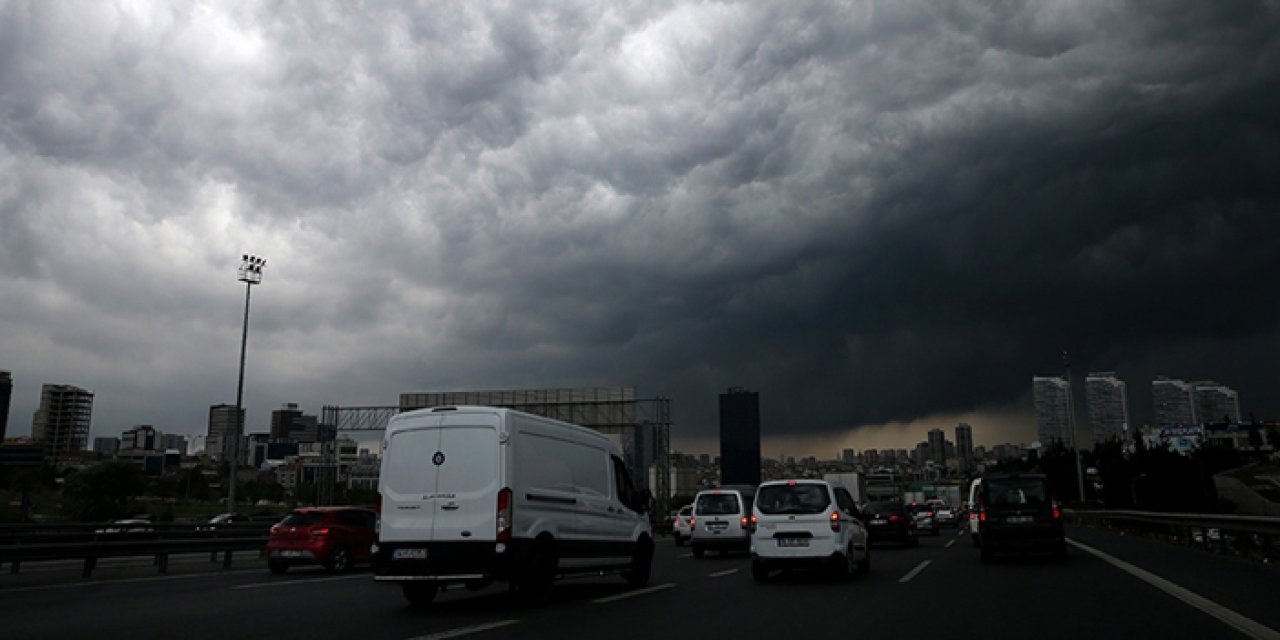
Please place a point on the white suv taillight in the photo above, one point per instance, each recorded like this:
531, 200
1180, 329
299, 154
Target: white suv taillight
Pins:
835, 520
504, 514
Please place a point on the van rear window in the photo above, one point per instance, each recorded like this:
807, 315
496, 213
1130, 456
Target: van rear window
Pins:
717, 504
1016, 491
800, 498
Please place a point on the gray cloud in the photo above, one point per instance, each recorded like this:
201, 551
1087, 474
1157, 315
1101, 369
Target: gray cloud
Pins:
869, 212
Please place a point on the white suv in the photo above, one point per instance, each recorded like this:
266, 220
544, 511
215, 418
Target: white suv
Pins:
806, 523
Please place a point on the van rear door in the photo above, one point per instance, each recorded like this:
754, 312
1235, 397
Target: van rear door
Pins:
441, 478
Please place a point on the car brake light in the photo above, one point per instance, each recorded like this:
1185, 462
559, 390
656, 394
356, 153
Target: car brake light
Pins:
929, 514
504, 514
982, 516
1057, 512
743, 522
693, 522
320, 531
751, 525
835, 520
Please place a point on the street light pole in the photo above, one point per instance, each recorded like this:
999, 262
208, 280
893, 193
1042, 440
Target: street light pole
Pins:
250, 273
1071, 421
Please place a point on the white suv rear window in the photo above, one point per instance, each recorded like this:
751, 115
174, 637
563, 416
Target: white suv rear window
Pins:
797, 498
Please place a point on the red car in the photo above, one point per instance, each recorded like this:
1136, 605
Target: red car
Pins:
336, 537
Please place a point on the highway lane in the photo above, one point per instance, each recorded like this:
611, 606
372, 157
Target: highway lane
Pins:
937, 589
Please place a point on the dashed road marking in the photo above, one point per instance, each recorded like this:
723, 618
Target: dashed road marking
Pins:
949, 543
920, 567
722, 573
632, 594
1232, 619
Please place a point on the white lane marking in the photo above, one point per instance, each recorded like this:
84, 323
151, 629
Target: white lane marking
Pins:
722, 573
632, 594
286, 583
69, 585
686, 555
920, 567
1232, 619
949, 543
462, 631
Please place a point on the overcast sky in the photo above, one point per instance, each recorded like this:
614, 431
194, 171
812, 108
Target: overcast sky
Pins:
882, 216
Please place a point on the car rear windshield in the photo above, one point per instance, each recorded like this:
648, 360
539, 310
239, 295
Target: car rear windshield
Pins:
798, 498
686, 510
1016, 491
303, 518
717, 504
885, 507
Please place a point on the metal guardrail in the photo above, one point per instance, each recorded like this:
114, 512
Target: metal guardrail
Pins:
1265, 525
1251, 536
91, 542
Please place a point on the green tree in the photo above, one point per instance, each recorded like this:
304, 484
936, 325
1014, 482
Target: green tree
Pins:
103, 492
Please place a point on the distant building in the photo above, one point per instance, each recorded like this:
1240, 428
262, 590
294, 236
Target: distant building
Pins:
739, 437
847, 456
938, 446
140, 438
224, 424
289, 423
107, 446
1215, 403
62, 421
173, 442
6, 394
1108, 406
964, 446
1053, 409
1173, 401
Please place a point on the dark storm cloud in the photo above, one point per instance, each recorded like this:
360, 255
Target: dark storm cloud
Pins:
868, 212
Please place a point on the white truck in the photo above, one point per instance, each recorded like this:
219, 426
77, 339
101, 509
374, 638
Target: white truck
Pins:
853, 482
471, 495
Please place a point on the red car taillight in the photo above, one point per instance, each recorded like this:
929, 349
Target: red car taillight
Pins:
320, 531
982, 516
835, 520
504, 514
895, 518
274, 529
1057, 512
693, 522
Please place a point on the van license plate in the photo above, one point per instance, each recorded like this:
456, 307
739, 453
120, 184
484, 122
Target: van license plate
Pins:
1018, 519
409, 554
793, 542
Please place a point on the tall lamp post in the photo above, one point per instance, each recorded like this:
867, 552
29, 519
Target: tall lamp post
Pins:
1071, 422
250, 273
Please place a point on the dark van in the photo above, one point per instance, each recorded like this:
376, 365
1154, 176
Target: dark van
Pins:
1017, 512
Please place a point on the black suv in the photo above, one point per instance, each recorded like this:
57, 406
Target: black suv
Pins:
1017, 512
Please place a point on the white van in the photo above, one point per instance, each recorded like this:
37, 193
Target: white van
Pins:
806, 523
720, 519
473, 495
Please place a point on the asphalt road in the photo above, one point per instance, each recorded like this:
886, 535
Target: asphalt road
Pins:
937, 590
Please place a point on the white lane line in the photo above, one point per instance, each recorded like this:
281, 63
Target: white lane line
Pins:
632, 594
1232, 619
687, 555
949, 543
287, 583
462, 631
722, 573
920, 567
112, 581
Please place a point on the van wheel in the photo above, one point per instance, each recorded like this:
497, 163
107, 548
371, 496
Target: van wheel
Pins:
535, 585
420, 594
339, 560
641, 564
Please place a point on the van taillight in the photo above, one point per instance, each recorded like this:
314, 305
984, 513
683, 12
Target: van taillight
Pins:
895, 518
982, 515
693, 522
743, 522
504, 514
835, 520
751, 524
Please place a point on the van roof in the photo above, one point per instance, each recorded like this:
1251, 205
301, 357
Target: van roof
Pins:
464, 409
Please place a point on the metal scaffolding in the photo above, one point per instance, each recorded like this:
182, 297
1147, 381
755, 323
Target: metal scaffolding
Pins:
643, 425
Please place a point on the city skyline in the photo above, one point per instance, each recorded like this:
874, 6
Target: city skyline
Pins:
883, 217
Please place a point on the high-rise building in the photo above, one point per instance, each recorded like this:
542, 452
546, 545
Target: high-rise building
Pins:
172, 442
1215, 402
938, 446
964, 446
6, 394
1108, 406
1053, 409
1173, 401
62, 421
142, 437
847, 456
285, 422
224, 424
739, 437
